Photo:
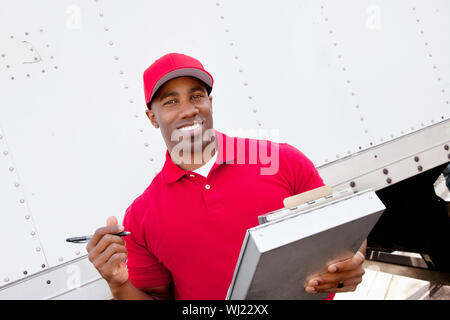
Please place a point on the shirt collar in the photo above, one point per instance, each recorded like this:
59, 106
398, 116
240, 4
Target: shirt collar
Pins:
171, 172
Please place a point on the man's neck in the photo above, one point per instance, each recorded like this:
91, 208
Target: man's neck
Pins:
203, 156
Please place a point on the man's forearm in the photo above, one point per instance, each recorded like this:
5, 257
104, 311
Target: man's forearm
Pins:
129, 292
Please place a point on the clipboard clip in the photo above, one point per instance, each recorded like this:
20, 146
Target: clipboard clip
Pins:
305, 201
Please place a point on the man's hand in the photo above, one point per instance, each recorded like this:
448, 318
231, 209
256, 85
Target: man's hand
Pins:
108, 254
342, 276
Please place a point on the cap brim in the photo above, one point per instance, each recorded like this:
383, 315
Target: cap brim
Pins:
183, 72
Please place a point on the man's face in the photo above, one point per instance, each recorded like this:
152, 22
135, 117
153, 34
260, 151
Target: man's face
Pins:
182, 107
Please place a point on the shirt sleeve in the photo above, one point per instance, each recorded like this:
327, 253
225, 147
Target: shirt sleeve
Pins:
303, 175
144, 269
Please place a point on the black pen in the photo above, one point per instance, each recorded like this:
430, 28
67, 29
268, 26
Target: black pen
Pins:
85, 239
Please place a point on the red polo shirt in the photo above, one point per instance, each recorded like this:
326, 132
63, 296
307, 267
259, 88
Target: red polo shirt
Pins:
189, 229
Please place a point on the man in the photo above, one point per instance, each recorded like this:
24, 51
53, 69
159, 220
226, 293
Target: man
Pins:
188, 226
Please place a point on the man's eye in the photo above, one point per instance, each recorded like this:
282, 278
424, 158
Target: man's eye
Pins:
197, 96
172, 101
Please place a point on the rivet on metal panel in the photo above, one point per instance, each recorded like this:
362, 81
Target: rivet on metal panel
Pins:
326, 160
28, 75
349, 152
446, 147
245, 84
222, 17
7, 66
25, 272
136, 115
100, 14
385, 171
337, 156
125, 86
22, 201
352, 184
389, 180
254, 110
77, 253
359, 147
12, 78
416, 159
151, 159
38, 249
141, 130
331, 31
48, 282
146, 144
33, 233
343, 69
131, 101
326, 19
43, 266
116, 58
43, 70
16, 185
217, 3
357, 106
250, 97
60, 259
236, 57
106, 29
420, 168
26, 33
339, 56
226, 30
231, 43
3, 55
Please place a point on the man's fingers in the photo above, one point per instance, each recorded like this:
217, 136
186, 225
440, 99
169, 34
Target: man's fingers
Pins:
111, 250
106, 241
333, 286
349, 264
335, 277
100, 232
111, 221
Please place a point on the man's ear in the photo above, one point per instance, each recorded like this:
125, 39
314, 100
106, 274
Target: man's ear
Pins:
151, 115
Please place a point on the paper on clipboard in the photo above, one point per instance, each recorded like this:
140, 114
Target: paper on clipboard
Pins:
279, 256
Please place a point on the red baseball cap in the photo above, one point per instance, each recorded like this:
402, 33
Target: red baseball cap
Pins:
173, 65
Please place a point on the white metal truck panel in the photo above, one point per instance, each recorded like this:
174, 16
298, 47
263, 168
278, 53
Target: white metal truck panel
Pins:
358, 86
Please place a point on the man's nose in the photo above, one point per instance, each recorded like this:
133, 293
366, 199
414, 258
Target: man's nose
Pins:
189, 110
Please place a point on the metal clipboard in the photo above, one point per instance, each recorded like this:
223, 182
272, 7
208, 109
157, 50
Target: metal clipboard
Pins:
292, 244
